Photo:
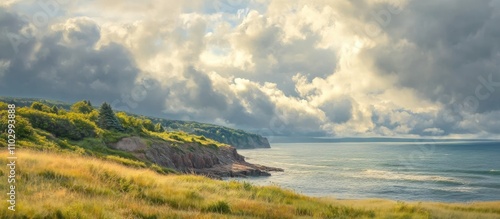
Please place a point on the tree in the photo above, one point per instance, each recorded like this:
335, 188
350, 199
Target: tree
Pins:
107, 119
84, 107
41, 107
3, 106
159, 128
55, 109
148, 125
23, 127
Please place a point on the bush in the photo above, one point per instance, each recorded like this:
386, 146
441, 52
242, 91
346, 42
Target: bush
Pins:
41, 107
84, 107
221, 207
3, 106
148, 125
129, 121
159, 128
22, 127
71, 127
86, 127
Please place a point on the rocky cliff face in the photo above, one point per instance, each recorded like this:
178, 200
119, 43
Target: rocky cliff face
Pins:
193, 158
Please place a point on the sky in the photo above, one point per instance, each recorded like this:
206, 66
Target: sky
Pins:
395, 68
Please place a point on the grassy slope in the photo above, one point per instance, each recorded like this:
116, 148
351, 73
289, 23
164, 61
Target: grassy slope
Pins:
202, 129
54, 185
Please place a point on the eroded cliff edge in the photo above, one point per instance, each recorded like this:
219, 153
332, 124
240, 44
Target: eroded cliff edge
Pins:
216, 162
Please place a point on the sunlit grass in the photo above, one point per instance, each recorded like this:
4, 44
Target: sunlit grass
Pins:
182, 137
54, 185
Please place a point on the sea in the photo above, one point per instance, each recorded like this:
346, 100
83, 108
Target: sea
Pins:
408, 170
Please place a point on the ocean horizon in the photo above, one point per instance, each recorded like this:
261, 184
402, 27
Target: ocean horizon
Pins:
442, 170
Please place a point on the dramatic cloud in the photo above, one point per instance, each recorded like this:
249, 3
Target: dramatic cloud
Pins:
276, 67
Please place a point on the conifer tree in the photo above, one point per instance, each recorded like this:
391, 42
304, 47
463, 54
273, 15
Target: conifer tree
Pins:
107, 119
55, 109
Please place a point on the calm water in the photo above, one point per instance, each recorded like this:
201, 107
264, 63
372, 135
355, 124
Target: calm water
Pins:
450, 171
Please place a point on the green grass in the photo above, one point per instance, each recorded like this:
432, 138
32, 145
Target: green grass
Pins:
182, 137
55, 185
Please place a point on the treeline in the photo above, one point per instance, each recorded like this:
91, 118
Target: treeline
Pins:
81, 121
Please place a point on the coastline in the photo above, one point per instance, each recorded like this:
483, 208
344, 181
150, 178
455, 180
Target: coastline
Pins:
70, 183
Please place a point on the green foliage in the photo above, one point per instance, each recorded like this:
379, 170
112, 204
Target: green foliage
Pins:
113, 136
132, 124
41, 107
55, 109
162, 170
92, 116
27, 102
3, 106
148, 125
84, 107
22, 127
72, 126
159, 128
218, 133
126, 162
86, 127
221, 207
183, 137
107, 119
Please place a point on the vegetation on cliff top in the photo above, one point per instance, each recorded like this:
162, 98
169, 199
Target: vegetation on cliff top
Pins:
234, 137
87, 131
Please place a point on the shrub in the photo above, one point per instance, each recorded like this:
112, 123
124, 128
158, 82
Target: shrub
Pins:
41, 107
159, 128
221, 207
84, 107
3, 106
71, 126
22, 127
148, 125
130, 122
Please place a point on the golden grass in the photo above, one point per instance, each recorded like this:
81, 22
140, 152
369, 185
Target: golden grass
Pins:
54, 185
181, 137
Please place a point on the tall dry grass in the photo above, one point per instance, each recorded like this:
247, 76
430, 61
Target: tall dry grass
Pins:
51, 185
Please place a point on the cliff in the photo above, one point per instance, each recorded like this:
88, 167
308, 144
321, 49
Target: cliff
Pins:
237, 138
115, 136
216, 162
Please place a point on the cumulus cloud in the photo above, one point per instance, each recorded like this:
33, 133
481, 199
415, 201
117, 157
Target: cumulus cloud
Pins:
64, 64
342, 68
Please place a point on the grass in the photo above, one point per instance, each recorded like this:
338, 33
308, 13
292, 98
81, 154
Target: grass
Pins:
182, 137
55, 185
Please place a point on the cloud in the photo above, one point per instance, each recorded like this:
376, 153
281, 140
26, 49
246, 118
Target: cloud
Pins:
64, 64
446, 52
343, 68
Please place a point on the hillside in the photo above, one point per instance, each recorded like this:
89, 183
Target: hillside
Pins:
67, 185
130, 140
238, 138
234, 137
